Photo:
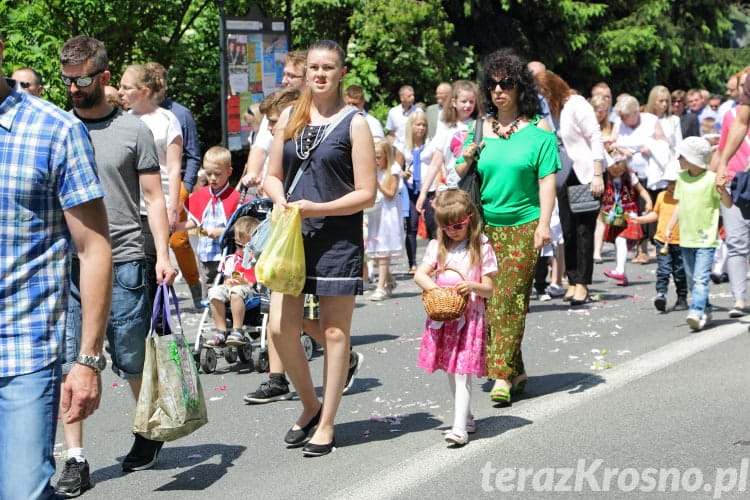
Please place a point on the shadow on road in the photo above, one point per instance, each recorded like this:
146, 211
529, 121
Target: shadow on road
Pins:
571, 382
192, 462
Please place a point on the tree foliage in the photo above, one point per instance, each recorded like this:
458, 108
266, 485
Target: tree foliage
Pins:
632, 44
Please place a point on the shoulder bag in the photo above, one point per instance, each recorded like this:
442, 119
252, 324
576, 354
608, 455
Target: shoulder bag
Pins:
472, 182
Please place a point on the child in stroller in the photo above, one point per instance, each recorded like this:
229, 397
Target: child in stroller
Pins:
238, 286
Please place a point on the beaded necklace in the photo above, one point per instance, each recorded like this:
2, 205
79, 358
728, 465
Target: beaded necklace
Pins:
309, 139
512, 128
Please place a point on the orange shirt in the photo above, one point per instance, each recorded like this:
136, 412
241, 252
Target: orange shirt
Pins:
664, 208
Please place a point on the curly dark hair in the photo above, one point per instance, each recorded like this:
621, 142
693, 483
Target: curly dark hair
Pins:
508, 62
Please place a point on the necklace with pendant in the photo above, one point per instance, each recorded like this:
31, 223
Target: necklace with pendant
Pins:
512, 128
309, 139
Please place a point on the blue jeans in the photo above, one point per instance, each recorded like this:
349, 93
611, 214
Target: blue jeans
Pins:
28, 412
670, 265
698, 262
128, 324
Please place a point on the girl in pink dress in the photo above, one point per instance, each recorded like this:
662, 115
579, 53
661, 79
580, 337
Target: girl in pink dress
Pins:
458, 346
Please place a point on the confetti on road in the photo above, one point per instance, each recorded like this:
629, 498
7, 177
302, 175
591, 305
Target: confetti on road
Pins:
220, 388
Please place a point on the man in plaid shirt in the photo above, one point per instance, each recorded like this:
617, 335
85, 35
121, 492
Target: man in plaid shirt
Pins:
50, 196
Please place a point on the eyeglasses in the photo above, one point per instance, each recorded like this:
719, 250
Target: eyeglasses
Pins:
677, 101
24, 85
506, 83
80, 81
458, 225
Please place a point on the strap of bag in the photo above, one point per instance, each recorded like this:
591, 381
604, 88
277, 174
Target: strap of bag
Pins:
306, 162
162, 305
478, 132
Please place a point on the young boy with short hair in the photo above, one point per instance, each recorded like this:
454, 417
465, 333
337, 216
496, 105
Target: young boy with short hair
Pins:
236, 288
209, 209
668, 256
698, 214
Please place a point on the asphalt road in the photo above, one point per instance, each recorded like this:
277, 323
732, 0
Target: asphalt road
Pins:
622, 402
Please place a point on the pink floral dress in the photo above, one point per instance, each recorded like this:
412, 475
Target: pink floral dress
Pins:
458, 346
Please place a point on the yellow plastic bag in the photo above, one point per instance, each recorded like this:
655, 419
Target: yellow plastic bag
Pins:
281, 266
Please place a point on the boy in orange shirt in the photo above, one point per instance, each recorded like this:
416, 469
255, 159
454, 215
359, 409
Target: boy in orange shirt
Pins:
668, 257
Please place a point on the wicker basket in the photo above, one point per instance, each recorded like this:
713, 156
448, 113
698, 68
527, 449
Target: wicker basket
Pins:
444, 303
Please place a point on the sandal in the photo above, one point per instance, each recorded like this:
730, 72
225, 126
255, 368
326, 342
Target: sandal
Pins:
379, 294
500, 395
217, 341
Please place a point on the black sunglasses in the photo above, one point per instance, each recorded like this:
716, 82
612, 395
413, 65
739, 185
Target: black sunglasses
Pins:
24, 85
80, 81
506, 83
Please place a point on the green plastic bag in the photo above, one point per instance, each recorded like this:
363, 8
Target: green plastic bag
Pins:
171, 404
281, 267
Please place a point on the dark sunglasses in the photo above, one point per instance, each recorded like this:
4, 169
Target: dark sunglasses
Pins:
24, 85
506, 83
458, 225
80, 81
677, 101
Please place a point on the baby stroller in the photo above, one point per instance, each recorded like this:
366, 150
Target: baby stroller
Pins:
256, 308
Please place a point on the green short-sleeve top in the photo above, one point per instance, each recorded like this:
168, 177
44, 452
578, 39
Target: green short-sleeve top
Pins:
510, 170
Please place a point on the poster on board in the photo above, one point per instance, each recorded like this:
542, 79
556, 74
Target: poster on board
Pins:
255, 50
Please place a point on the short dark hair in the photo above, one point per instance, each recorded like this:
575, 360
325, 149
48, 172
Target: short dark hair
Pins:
81, 48
37, 76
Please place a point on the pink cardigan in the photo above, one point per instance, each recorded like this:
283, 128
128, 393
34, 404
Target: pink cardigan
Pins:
582, 137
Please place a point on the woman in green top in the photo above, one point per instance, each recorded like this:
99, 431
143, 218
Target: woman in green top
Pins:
517, 161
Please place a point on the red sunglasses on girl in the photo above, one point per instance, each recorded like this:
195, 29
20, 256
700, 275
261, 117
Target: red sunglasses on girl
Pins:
457, 226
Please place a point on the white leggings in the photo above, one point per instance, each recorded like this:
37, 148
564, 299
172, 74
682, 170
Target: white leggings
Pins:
621, 254
460, 385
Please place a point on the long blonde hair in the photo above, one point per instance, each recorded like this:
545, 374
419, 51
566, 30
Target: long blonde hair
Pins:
452, 206
301, 115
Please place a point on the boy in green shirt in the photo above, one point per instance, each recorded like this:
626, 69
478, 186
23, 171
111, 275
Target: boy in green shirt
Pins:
698, 215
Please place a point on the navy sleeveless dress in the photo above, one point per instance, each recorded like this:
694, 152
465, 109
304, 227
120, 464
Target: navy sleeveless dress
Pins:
334, 246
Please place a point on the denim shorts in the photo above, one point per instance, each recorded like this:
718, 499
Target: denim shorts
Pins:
29, 408
128, 323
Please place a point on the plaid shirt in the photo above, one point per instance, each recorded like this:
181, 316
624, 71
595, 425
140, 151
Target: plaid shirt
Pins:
47, 166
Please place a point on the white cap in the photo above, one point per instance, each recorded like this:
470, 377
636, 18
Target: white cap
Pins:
671, 171
695, 150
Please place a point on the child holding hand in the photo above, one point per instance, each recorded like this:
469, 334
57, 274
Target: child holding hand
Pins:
459, 346
697, 212
235, 290
619, 209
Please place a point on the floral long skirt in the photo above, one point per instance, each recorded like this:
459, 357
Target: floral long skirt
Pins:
506, 309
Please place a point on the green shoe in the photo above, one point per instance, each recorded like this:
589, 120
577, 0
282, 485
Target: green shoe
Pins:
500, 395
518, 388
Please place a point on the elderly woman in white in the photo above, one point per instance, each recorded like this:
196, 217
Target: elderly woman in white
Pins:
642, 140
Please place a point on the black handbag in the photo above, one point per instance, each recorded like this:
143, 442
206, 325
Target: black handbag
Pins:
471, 182
741, 193
581, 200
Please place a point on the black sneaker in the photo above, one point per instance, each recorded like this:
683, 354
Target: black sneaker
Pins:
660, 302
681, 304
267, 393
74, 479
355, 362
142, 455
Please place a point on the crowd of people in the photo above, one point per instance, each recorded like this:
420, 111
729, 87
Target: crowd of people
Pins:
559, 176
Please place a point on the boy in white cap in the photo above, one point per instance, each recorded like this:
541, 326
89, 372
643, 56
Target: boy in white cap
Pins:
698, 215
668, 256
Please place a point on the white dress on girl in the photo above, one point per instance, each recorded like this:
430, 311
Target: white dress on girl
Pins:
385, 227
458, 346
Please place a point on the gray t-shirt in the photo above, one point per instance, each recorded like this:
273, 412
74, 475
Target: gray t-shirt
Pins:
124, 148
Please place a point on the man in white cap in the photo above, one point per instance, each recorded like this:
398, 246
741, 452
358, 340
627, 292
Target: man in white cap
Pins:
698, 215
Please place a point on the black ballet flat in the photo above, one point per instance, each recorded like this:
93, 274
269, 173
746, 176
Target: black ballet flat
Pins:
297, 437
318, 450
576, 302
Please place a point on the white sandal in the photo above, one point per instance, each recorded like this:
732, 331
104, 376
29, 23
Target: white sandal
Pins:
379, 294
456, 438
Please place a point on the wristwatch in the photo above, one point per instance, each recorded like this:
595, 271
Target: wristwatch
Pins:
96, 363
